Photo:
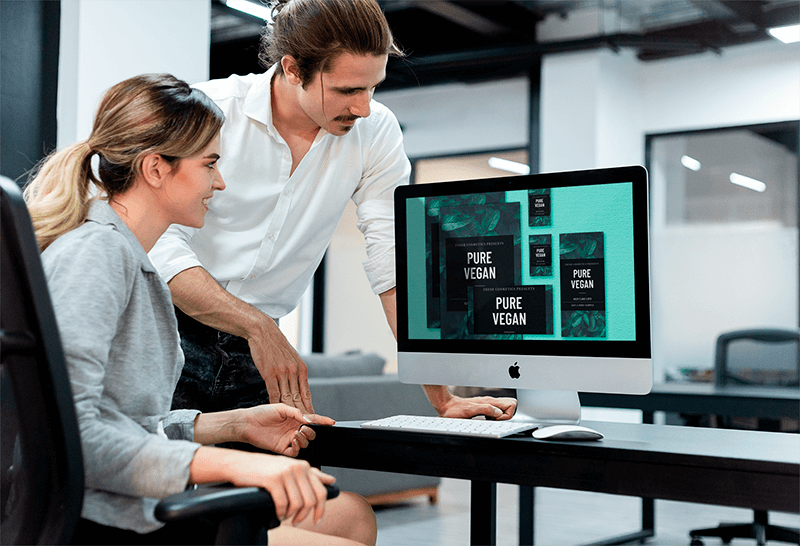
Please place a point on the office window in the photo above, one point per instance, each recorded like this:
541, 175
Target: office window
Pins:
462, 167
735, 176
724, 216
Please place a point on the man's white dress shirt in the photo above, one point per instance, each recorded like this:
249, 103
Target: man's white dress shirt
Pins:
266, 233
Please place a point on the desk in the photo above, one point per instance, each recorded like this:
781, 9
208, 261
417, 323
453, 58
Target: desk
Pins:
747, 469
706, 399
679, 397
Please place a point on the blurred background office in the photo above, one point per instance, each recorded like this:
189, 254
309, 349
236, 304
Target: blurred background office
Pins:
699, 91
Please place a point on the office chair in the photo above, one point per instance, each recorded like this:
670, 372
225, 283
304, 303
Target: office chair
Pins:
755, 357
41, 464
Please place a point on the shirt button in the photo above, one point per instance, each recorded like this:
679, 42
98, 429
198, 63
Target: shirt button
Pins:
271, 236
252, 276
287, 192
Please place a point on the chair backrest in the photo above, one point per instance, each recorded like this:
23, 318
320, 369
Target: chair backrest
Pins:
41, 469
758, 357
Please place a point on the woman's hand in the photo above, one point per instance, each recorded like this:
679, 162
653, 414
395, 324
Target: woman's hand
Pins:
280, 428
296, 487
275, 427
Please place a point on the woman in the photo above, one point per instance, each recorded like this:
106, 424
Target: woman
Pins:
157, 143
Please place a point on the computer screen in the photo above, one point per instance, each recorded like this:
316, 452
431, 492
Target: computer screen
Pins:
527, 282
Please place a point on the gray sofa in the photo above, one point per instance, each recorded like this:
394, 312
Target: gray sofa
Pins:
352, 387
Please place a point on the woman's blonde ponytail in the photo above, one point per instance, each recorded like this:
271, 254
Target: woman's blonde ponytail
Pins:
58, 196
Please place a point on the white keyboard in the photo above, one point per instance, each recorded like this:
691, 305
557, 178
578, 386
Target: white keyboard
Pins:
445, 425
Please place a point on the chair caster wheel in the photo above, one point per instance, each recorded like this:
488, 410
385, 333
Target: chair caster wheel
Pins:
696, 542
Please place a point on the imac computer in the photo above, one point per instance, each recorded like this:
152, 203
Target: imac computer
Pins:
538, 283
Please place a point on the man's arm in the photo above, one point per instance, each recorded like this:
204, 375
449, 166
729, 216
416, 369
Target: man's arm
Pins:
197, 294
444, 402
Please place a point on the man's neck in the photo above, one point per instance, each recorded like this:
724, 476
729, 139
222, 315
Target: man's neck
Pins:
288, 117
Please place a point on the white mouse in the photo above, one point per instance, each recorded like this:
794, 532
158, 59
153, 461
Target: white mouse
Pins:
566, 432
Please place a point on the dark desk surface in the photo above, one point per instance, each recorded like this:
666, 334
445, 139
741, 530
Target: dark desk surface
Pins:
706, 398
748, 469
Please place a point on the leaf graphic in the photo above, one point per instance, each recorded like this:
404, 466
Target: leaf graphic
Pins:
568, 248
589, 249
453, 222
492, 220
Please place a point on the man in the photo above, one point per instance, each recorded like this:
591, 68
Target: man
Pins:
299, 141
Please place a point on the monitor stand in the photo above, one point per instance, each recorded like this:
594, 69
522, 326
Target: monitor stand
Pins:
548, 407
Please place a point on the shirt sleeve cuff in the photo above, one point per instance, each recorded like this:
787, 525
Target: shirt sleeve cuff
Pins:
179, 424
380, 271
169, 268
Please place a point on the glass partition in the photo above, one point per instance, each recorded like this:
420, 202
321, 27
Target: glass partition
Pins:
724, 216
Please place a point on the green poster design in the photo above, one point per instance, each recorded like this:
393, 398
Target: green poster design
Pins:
541, 255
539, 208
479, 246
435, 268
583, 287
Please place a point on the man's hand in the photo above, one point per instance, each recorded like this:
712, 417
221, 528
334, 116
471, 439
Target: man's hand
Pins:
448, 405
284, 372
499, 409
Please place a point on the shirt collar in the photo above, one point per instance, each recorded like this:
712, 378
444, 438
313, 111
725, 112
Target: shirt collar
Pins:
101, 213
258, 103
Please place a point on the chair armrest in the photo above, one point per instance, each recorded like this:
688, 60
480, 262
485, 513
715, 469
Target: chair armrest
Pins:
221, 501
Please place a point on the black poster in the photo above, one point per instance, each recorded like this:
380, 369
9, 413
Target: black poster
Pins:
511, 310
477, 261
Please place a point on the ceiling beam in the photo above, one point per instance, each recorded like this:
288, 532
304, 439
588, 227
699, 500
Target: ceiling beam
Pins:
461, 16
714, 9
749, 11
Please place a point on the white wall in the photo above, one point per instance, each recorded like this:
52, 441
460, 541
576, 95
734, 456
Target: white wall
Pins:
744, 85
596, 108
104, 41
458, 118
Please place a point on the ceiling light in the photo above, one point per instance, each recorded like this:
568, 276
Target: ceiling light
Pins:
788, 34
747, 182
250, 8
690, 163
507, 165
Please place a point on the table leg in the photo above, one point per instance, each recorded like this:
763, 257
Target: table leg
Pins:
527, 503
483, 513
648, 512
648, 505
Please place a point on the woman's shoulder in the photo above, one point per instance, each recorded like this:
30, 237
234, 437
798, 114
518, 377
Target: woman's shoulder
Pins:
89, 237
89, 249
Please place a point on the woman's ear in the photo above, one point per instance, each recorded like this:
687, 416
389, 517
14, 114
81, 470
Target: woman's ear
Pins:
155, 170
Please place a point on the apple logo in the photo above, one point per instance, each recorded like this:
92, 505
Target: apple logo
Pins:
513, 371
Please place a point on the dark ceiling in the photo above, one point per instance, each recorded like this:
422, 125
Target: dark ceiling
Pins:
474, 40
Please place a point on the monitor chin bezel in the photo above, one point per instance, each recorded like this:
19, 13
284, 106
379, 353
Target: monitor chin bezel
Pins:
536, 372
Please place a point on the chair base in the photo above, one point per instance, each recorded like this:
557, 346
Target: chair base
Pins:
760, 530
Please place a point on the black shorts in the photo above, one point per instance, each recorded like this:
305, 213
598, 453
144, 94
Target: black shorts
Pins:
219, 373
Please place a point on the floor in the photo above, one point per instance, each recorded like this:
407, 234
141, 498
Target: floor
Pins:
563, 518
